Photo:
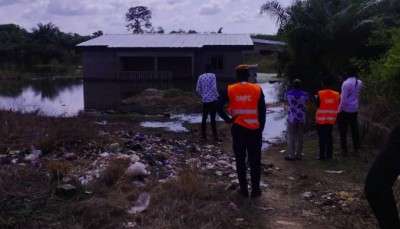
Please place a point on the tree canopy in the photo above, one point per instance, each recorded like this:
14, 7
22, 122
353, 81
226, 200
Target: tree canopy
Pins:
138, 17
324, 35
44, 48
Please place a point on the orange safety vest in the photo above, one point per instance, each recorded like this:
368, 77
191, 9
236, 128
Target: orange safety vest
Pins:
243, 104
328, 108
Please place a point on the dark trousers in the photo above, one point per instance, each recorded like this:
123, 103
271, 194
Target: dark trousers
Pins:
209, 108
246, 141
380, 180
325, 141
346, 119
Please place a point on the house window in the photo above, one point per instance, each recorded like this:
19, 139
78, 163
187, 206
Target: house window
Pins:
217, 62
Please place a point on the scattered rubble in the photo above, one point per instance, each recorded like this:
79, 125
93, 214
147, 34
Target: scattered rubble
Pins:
328, 201
141, 205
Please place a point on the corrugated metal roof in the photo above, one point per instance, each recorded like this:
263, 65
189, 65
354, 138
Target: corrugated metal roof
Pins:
263, 41
168, 40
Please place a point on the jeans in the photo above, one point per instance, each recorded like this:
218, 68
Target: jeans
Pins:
295, 134
209, 108
247, 141
346, 119
380, 180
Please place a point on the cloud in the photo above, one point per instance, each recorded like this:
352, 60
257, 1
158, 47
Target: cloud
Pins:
10, 2
70, 7
211, 8
244, 15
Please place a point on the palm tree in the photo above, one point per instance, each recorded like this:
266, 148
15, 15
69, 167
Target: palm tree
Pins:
324, 34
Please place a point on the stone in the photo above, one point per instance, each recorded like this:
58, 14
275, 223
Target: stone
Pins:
142, 203
136, 170
66, 190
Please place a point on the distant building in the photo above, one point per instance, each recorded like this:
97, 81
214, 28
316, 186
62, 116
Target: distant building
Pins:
163, 56
264, 47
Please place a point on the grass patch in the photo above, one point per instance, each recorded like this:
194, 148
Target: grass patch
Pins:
187, 202
174, 92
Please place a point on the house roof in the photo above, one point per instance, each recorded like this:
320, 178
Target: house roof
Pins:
168, 40
270, 42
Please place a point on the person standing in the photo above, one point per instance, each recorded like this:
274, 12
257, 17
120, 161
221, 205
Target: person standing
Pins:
380, 179
297, 100
348, 110
206, 88
325, 118
247, 115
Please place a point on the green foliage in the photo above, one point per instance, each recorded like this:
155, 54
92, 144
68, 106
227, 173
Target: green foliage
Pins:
324, 35
174, 92
46, 45
381, 78
138, 17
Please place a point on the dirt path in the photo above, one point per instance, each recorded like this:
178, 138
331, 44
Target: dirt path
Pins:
310, 194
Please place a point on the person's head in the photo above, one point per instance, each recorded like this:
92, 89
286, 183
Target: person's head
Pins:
328, 81
351, 70
242, 72
208, 68
296, 84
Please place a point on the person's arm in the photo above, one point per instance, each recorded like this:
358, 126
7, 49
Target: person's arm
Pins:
222, 100
343, 96
262, 110
198, 87
317, 101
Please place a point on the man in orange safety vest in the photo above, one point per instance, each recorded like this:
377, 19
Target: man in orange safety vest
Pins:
247, 114
325, 118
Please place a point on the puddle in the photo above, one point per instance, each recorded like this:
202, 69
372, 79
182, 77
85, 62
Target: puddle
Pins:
170, 126
275, 124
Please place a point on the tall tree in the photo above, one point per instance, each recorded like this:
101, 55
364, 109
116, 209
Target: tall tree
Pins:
324, 34
97, 34
138, 17
13, 45
46, 43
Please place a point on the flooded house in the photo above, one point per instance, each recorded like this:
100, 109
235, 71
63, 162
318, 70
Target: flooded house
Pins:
141, 57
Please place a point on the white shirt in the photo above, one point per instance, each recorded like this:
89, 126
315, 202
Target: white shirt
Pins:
349, 96
206, 87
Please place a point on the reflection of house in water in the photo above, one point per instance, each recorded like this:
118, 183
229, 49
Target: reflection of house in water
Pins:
162, 56
100, 95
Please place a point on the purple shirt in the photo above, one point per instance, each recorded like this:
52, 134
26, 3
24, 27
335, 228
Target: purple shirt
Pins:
349, 95
297, 100
206, 87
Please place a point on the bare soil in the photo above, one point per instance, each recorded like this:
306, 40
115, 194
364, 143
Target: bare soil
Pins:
296, 194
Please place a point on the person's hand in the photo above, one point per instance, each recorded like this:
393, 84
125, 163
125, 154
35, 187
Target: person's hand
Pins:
231, 120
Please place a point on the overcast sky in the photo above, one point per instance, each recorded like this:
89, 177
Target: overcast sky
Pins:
87, 16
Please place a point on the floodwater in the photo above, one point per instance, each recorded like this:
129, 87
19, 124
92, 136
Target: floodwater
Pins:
275, 119
68, 98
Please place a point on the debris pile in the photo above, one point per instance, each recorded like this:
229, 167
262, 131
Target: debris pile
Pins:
329, 201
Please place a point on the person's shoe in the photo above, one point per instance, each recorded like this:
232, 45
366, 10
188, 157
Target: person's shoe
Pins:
290, 158
357, 154
242, 193
255, 193
217, 140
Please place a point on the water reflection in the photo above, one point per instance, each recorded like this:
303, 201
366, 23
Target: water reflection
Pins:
67, 98
51, 98
273, 132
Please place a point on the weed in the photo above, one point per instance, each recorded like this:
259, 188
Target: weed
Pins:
58, 170
174, 92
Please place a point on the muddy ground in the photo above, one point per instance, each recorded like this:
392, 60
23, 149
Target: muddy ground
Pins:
190, 183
